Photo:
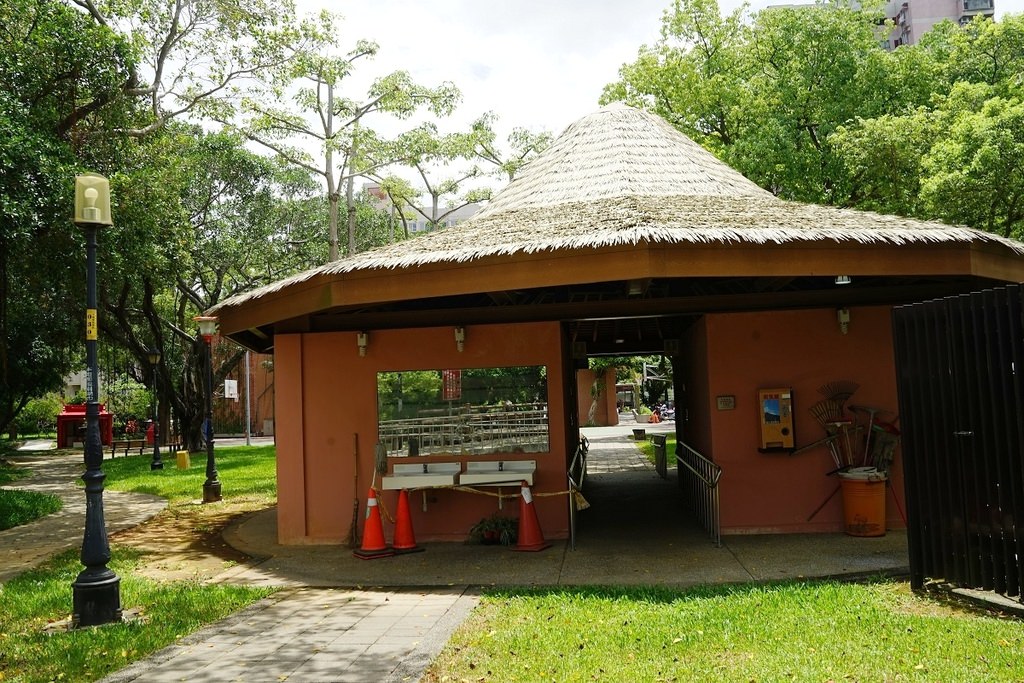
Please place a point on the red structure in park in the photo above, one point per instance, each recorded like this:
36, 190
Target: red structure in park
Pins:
71, 426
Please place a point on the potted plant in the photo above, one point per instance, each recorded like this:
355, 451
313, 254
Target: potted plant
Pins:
494, 530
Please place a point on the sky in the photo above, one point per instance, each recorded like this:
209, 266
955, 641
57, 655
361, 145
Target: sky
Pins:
537, 64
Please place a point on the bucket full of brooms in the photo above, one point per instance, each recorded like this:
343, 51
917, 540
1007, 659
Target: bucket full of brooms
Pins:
863, 491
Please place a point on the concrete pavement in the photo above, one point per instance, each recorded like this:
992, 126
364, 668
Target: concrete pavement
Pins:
328, 624
636, 531
305, 634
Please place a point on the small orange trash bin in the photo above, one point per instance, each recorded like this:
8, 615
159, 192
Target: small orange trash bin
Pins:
863, 501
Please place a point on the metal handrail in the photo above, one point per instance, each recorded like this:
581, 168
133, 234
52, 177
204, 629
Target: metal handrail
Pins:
703, 489
579, 459
714, 467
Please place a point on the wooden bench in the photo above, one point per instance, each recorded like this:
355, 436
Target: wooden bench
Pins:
127, 445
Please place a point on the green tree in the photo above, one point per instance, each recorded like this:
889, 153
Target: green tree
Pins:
85, 85
957, 157
39, 415
883, 160
203, 217
434, 160
974, 174
195, 56
696, 77
804, 101
765, 96
522, 145
815, 68
323, 117
61, 73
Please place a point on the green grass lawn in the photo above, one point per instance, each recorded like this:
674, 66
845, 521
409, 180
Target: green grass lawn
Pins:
799, 632
30, 652
243, 471
170, 610
9, 473
796, 631
22, 507
647, 448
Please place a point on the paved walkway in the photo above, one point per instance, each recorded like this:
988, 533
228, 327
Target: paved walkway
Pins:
304, 634
27, 546
327, 624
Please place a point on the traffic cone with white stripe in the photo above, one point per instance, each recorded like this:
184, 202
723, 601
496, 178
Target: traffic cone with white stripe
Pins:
373, 545
530, 537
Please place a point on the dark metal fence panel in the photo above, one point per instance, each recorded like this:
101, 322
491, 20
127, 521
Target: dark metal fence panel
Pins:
960, 377
698, 479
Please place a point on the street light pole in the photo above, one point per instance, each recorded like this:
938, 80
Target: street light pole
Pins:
211, 487
97, 589
157, 464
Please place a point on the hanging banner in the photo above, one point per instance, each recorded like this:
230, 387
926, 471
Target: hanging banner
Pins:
451, 385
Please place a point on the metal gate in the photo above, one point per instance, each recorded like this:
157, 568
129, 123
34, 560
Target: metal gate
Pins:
960, 375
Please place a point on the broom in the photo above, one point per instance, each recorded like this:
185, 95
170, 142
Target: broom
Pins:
353, 532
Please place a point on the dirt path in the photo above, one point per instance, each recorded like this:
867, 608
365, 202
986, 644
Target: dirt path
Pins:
185, 542
180, 541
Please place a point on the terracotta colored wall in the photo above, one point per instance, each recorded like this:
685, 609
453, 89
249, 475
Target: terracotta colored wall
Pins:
605, 407
804, 350
230, 413
326, 398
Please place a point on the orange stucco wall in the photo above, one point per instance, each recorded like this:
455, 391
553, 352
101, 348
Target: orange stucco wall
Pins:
804, 350
326, 398
597, 403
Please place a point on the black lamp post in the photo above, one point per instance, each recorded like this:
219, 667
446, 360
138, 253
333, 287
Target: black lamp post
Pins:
97, 589
157, 464
211, 487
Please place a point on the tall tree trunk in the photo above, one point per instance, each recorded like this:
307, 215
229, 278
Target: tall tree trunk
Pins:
332, 188
350, 194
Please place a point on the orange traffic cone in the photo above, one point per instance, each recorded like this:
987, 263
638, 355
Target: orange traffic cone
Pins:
405, 540
530, 536
373, 532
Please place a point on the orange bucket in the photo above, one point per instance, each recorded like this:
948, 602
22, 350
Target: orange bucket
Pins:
863, 501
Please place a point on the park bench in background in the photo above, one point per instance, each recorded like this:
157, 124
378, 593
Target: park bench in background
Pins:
127, 445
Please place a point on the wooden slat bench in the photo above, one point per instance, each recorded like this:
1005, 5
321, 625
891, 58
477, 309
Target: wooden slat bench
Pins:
127, 445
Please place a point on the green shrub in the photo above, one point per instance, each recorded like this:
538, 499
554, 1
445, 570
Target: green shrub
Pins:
39, 415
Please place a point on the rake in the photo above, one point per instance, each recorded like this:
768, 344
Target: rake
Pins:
840, 390
828, 411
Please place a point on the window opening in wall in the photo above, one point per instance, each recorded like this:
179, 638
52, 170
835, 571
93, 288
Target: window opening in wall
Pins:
459, 411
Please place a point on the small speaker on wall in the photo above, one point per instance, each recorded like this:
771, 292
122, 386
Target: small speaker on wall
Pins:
579, 349
671, 347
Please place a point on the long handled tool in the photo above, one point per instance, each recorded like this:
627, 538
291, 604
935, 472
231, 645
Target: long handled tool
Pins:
353, 532
823, 503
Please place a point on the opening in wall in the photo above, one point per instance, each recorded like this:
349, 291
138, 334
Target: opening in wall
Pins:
463, 411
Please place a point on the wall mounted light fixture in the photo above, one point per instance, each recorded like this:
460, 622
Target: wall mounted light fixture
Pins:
460, 338
843, 279
843, 315
362, 340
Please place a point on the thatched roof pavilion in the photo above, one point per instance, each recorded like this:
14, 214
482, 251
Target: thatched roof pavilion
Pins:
624, 216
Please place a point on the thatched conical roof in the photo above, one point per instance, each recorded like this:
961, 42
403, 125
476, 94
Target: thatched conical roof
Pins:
623, 176
620, 152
